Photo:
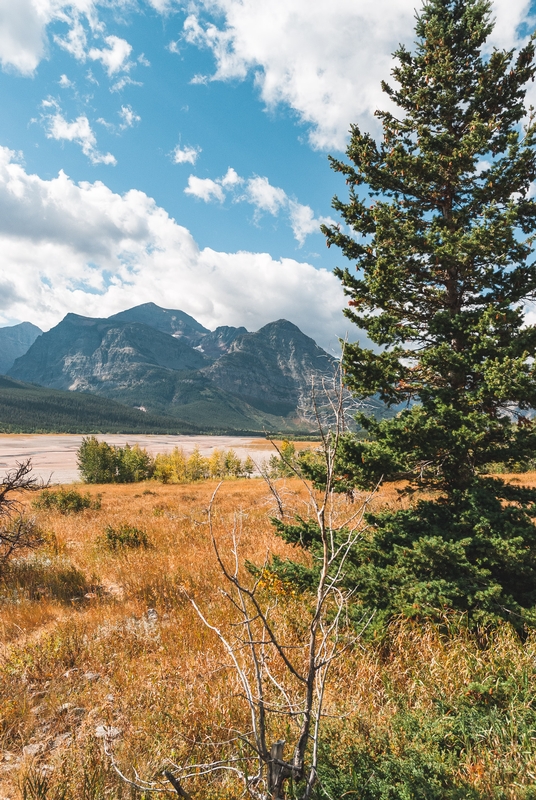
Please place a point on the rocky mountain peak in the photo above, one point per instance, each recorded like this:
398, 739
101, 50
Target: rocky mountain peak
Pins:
15, 340
167, 320
167, 362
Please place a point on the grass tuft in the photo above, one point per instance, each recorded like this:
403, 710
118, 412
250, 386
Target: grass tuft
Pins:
124, 536
66, 501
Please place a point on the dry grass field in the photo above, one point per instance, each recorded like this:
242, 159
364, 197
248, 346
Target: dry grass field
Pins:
94, 637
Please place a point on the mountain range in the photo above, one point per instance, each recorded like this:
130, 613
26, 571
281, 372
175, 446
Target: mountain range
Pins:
165, 363
15, 341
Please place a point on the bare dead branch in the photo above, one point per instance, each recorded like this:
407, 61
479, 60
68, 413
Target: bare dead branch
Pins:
176, 785
283, 683
17, 532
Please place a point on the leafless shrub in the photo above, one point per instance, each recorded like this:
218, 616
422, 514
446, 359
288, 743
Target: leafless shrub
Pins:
282, 666
17, 532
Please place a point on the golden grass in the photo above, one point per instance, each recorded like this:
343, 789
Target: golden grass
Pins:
79, 649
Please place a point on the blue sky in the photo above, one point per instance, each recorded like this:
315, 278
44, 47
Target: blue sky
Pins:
177, 152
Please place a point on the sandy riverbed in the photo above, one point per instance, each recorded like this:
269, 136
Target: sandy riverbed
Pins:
54, 455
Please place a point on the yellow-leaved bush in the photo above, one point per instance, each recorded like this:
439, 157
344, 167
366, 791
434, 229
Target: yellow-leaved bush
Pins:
176, 467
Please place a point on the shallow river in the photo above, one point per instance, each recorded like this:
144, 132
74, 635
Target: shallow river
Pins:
54, 455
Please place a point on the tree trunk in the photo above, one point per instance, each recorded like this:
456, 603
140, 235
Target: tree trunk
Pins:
278, 770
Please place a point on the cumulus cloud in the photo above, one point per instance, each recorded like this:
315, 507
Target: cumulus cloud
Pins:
325, 63
23, 39
8, 295
204, 189
185, 155
22, 35
85, 249
162, 6
79, 131
231, 179
114, 57
265, 198
304, 222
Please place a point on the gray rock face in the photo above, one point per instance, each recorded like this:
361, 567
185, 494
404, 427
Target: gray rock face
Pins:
173, 322
166, 362
271, 369
218, 342
99, 355
15, 341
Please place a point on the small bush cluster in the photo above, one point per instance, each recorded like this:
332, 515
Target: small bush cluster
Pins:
66, 501
100, 462
176, 467
502, 468
124, 536
288, 462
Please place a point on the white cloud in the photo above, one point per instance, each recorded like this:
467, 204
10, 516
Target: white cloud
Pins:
75, 41
126, 80
204, 189
22, 35
231, 178
185, 155
326, 63
162, 6
264, 196
79, 131
508, 16
83, 248
114, 58
64, 82
259, 193
129, 117
200, 80
23, 24
304, 222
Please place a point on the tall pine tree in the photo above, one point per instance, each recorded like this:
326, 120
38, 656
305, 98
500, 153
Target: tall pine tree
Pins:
441, 227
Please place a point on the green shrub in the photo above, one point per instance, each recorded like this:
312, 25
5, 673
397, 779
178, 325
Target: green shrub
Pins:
124, 536
100, 462
478, 558
66, 501
285, 464
134, 464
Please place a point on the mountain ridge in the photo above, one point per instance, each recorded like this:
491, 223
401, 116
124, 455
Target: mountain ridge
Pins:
228, 379
15, 340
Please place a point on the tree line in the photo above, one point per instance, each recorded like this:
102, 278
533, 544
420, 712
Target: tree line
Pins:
100, 462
